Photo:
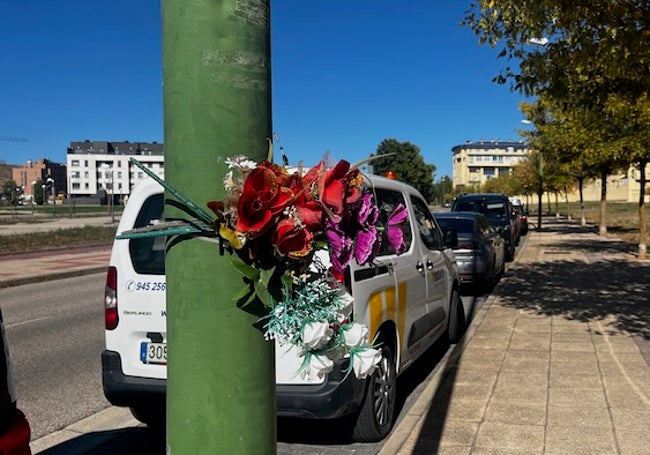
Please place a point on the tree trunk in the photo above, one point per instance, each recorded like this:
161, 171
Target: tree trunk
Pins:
642, 223
583, 220
566, 202
602, 230
548, 203
557, 205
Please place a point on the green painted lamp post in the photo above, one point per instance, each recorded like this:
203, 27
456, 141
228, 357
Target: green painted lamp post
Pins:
217, 104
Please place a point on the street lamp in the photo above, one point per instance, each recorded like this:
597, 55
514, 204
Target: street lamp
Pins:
50, 181
540, 175
108, 169
33, 194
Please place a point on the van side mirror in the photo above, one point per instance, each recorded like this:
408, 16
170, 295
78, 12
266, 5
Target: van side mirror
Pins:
451, 238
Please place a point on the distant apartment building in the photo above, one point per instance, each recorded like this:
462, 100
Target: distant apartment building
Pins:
474, 163
97, 168
44, 171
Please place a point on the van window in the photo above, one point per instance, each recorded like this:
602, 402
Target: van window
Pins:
387, 200
429, 232
148, 254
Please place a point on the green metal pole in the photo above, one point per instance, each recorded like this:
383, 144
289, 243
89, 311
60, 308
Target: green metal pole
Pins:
217, 104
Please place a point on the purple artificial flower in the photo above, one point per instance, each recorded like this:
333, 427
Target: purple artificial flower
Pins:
368, 212
340, 246
395, 233
363, 247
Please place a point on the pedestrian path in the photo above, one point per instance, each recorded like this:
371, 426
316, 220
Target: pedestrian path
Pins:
17, 269
556, 362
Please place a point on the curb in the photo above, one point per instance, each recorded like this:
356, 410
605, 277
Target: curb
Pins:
51, 277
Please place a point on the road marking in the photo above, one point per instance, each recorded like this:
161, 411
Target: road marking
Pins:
27, 322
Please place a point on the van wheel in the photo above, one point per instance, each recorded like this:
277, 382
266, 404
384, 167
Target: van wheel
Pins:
375, 419
456, 318
153, 416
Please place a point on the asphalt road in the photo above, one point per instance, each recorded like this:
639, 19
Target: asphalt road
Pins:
56, 335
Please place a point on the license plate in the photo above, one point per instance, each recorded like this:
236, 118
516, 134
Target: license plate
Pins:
155, 353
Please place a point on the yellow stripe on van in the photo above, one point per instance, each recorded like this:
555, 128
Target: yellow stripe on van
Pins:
401, 315
376, 312
384, 306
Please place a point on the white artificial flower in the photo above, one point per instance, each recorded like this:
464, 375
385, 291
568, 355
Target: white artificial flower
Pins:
318, 366
229, 182
240, 162
355, 334
316, 335
365, 362
346, 300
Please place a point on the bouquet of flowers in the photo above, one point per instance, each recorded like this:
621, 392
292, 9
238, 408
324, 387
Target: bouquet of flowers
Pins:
293, 232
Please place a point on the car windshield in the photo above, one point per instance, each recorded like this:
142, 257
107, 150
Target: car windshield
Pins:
461, 226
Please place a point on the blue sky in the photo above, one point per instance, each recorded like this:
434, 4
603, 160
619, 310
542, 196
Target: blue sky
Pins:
346, 75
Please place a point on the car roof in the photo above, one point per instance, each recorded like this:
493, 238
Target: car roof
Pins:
451, 215
481, 196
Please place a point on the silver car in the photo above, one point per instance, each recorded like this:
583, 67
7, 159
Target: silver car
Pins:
480, 254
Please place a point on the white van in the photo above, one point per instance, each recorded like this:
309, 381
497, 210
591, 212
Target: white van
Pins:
407, 302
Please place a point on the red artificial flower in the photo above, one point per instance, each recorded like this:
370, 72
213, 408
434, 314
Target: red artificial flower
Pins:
339, 187
292, 240
261, 200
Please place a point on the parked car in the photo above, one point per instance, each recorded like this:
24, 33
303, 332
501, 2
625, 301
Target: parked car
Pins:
498, 210
480, 253
15, 431
407, 301
522, 214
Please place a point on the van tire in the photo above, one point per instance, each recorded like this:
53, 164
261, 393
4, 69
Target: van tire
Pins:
374, 425
456, 318
152, 416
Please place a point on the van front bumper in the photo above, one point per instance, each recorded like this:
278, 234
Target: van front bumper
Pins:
338, 396
122, 390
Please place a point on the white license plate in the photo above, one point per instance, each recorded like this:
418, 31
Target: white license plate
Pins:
155, 353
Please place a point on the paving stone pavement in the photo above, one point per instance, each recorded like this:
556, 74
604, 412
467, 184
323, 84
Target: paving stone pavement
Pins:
557, 362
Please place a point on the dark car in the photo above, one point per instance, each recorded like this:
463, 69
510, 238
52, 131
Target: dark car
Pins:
480, 253
522, 214
14, 427
498, 210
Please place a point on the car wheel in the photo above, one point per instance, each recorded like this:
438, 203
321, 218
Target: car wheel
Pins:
375, 418
456, 318
153, 416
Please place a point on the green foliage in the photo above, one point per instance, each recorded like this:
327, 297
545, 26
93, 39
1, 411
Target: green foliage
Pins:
443, 190
11, 192
38, 192
406, 161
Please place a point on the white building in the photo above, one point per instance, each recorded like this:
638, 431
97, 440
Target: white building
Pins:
98, 168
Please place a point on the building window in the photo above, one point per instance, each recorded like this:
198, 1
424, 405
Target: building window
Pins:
86, 163
74, 163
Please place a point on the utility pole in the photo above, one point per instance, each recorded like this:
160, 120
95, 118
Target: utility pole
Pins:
217, 104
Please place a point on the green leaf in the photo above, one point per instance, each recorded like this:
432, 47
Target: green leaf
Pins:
262, 293
243, 293
247, 270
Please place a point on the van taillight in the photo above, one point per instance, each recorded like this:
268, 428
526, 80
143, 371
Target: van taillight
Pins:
111, 318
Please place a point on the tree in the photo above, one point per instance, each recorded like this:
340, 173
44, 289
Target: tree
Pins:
38, 192
12, 193
593, 61
443, 190
405, 161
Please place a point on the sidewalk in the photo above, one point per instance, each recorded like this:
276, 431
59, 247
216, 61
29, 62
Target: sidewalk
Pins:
556, 362
23, 268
